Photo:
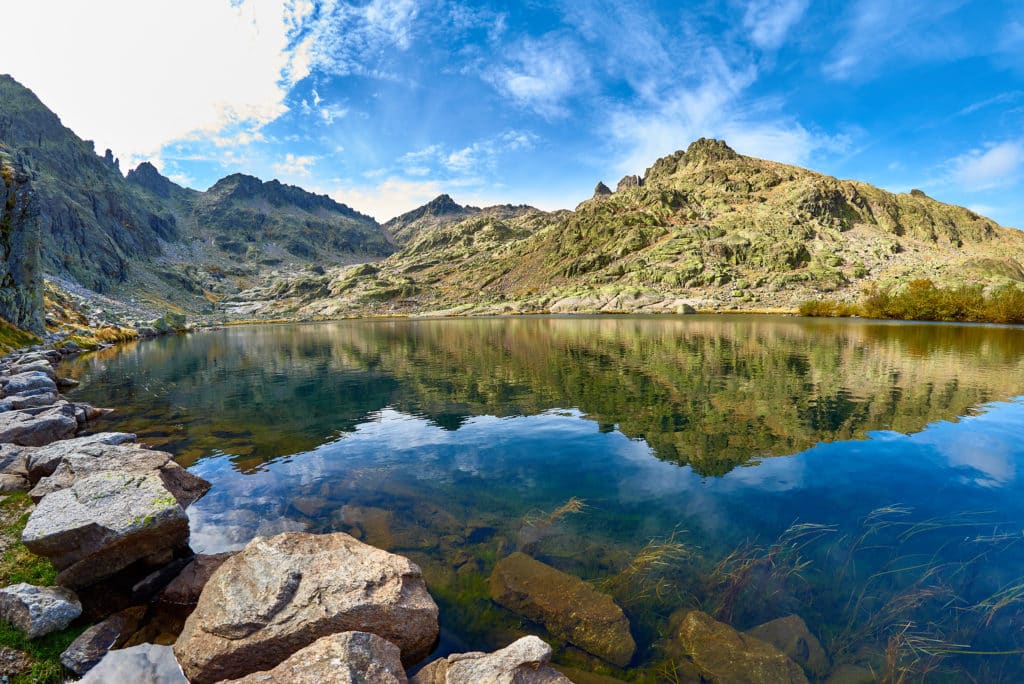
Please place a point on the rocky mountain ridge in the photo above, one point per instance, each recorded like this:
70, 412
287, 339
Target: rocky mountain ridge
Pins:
703, 228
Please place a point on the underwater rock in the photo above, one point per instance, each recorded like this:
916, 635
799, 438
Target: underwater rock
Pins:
525, 661
346, 658
570, 608
89, 648
282, 593
724, 655
186, 588
142, 664
790, 635
103, 523
848, 673
38, 611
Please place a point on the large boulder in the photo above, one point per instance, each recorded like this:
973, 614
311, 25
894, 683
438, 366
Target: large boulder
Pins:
567, 606
282, 593
104, 523
724, 655
91, 645
38, 611
37, 428
91, 459
43, 461
142, 664
13, 468
523, 662
345, 658
790, 635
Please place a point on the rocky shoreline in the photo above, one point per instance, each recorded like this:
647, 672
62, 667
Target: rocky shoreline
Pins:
110, 516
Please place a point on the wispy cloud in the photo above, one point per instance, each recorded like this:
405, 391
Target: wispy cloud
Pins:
477, 156
997, 165
542, 74
770, 21
879, 32
345, 38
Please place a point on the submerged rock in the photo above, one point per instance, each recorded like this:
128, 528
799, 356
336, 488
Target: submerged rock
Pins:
282, 593
186, 588
89, 648
724, 655
38, 611
525, 661
143, 664
570, 608
104, 523
790, 635
345, 658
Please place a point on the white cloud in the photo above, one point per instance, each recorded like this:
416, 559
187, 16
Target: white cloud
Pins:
541, 74
479, 155
119, 71
390, 197
295, 165
995, 166
769, 21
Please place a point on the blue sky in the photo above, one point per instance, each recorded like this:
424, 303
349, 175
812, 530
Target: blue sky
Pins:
385, 104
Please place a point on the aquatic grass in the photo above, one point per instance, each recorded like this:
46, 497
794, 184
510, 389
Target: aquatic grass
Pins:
654, 572
537, 524
751, 564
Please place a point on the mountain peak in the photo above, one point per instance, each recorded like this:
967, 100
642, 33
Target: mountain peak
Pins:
145, 175
709, 149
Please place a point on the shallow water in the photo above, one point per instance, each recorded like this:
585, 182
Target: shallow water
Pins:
893, 448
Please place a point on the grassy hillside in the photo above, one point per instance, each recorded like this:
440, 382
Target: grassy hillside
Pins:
706, 228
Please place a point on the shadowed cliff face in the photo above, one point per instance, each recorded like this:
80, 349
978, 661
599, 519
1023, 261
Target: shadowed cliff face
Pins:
21, 294
707, 392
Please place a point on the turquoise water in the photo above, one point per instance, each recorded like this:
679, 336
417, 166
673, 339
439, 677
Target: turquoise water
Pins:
863, 475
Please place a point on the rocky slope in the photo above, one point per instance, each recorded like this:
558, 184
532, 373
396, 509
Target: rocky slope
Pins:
149, 242
706, 228
21, 293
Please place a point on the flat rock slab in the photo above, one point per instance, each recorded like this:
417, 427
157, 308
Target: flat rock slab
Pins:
282, 593
346, 658
104, 523
90, 459
724, 655
43, 461
143, 664
525, 661
567, 606
38, 611
29, 428
93, 644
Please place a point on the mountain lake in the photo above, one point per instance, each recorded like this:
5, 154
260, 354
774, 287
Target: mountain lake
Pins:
859, 474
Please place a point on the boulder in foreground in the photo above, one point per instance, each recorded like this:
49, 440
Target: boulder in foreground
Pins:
570, 608
29, 428
790, 635
346, 658
38, 611
525, 661
143, 664
282, 593
104, 523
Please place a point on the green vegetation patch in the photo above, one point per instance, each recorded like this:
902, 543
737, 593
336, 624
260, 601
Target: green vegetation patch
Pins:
12, 337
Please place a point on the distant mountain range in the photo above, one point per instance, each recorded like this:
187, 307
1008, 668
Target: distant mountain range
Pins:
704, 228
